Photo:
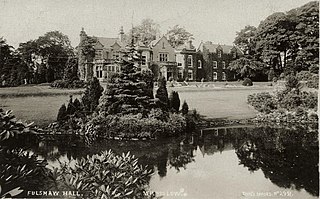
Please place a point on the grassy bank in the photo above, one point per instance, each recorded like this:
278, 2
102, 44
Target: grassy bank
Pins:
41, 103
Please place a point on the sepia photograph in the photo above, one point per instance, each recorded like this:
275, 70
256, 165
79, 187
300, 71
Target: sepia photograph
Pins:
159, 99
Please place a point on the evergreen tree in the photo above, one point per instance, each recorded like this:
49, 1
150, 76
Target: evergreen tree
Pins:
62, 113
162, 94
92, 95
185, 108
174, 101
71, 108
127, 91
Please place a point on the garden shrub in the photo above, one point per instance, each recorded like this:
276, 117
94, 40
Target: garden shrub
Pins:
107, 175
291, 100
92, 94
247, 82
313, 82
62, 113
135, 126
72, 84
304, 75
292, 83
262, 102
174, 101
309, 100
185, 108
162, 94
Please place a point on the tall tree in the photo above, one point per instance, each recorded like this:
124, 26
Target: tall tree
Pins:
49, 52
245, 39
127, 91
178, 36
245, 67
146, 32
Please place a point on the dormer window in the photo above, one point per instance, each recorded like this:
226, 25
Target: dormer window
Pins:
234, 55
219, 53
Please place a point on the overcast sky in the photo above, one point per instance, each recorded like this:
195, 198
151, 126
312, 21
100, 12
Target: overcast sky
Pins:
208, 20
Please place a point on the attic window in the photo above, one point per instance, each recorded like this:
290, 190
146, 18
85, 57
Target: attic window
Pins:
219, 53
234, 55
163, 45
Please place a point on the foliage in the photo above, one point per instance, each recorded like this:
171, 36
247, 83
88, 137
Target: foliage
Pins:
313, 82
162, 94
92, 94
68, 84
62, 113
245, 39
262, 102
18, 169
292, 83
129, 91
107, 175
304, 75
11, 127
145, 32
135, 125
174, 101
185, 108
246, 67
48, 56
178, 36
247, 82
13, 70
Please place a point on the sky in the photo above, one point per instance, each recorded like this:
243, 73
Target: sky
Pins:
208, 20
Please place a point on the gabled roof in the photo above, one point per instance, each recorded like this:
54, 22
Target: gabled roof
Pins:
108, 42
155, 42
212, 48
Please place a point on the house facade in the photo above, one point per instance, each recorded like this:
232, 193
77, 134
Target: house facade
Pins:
163, 59
188, 62
215, 59
108, 51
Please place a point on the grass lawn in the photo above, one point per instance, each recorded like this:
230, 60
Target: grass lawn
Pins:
41, 103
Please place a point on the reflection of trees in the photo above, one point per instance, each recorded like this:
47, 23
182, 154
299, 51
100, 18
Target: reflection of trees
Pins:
289, 158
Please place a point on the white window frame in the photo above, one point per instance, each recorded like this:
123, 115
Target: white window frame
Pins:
189, 61
224, 76
215, 76
163, 57
190, 74
219, 53
99, 71
143, 60
223, 65
199, 64
215, 64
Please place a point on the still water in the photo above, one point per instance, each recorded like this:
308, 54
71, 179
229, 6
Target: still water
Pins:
224, 162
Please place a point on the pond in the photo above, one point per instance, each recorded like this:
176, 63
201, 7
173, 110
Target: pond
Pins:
222, 162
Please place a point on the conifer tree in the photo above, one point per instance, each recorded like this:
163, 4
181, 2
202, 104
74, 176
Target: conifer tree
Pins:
174, 101
162, 94
185, 108
92, 95
127, 91
62, 113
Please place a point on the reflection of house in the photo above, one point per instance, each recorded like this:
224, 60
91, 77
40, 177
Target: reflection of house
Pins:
187, 62
216, 59
163, 62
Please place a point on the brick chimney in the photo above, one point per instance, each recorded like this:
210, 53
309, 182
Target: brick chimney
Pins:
121, 34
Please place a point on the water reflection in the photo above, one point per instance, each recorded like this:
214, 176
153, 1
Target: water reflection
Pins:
287, 157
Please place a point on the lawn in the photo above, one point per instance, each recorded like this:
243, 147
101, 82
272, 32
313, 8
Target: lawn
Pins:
41, 104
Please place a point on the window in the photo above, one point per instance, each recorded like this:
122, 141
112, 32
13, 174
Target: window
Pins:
224, 76
180, 75
190, 75
199, 64
118, 68
179, 64
143, 60
163, 57
99, 71
219, 53
215, 76
223, 65
112, 68
189, 61
98, 54
234, 55
215, 64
